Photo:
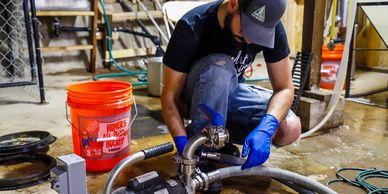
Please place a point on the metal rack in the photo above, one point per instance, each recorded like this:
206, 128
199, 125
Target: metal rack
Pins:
373, 7
20, 52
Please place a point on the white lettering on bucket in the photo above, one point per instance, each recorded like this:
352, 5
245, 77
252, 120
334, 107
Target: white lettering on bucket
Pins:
118, 129
104, 137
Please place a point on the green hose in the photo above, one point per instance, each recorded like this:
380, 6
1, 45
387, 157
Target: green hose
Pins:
126, 72
360, 179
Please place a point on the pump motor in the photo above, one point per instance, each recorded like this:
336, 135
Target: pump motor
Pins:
152, 182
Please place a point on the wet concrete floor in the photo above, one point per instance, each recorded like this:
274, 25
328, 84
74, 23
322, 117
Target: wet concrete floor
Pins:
361, 142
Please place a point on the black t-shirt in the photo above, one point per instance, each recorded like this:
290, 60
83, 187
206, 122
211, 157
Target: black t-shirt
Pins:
198, 34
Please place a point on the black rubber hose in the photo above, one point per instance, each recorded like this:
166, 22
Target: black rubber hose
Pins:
121, 29
158, 150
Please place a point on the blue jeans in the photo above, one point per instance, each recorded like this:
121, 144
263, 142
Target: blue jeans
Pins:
213, 81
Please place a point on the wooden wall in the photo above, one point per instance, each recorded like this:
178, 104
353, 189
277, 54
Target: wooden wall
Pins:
293, 22
367, 37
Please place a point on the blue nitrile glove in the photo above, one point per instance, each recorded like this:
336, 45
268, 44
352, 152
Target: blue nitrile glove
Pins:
180, 142
258, 142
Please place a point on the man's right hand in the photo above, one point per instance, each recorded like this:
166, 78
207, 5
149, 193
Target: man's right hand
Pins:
180, 143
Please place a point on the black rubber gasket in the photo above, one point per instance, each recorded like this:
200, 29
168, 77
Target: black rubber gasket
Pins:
23, 142
28, 179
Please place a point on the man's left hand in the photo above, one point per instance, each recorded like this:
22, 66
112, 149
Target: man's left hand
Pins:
258, 143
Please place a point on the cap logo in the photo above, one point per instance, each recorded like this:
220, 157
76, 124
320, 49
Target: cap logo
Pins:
259, 14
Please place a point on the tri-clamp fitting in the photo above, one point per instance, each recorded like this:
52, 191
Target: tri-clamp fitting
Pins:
218, 136
215, 137
201, 180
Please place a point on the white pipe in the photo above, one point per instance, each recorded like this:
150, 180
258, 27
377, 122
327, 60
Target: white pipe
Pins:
269, 172
339, 84
158, 4
152, 20
326, 31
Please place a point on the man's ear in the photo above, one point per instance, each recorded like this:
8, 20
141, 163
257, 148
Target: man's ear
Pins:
232, 5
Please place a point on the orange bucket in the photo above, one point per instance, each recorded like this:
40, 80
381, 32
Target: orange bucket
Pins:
331, 60
100, 114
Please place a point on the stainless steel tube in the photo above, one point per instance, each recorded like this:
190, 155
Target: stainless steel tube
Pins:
119, 167
269, 172
188, 155
193, 144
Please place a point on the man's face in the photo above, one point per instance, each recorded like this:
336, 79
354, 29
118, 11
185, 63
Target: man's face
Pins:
232, 27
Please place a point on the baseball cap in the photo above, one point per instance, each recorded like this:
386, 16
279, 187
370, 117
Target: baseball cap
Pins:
259, 19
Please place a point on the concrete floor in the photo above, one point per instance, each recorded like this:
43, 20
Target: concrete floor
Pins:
361, 142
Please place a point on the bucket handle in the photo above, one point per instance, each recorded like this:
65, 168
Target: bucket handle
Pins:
105, 138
